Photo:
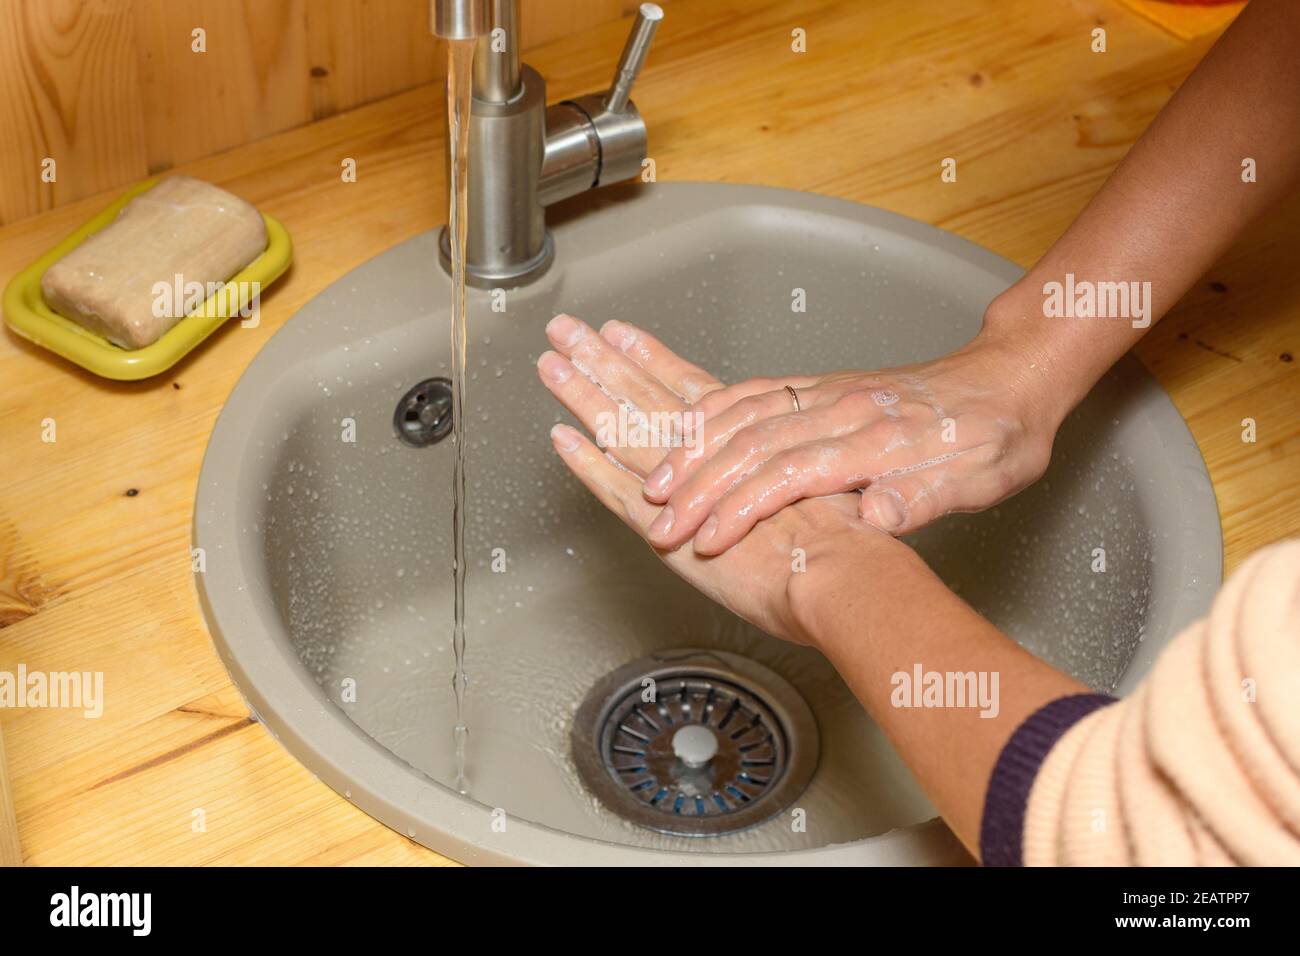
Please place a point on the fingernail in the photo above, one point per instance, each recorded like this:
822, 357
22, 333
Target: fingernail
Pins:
663, 524
658, 479
889, 511
565, 437
564, 329
707, 531
555, 368
618, 335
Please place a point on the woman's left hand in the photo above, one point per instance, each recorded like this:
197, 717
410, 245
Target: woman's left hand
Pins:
961, 432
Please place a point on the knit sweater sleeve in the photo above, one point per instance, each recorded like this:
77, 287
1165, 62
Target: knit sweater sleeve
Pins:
1200, 765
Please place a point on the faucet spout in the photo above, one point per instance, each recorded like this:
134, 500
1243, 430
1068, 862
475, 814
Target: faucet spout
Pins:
459, 19
496, 64
524, 157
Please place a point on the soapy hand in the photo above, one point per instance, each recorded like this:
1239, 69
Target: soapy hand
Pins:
624, 368
960, 433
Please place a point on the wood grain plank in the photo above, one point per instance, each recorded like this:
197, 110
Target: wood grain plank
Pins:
68, 93
361, 52
11, 850
540, 23
250, 80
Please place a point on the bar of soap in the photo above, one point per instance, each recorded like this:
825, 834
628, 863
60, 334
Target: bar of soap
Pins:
123, 282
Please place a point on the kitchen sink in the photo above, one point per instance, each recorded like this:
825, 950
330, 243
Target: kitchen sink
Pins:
324, 518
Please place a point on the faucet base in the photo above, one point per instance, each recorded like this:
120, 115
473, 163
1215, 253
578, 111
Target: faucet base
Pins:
499, 277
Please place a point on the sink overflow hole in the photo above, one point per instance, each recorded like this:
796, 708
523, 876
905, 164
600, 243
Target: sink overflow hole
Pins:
423, 416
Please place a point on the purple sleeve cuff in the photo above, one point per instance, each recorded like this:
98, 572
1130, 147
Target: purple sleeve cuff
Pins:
1002, 830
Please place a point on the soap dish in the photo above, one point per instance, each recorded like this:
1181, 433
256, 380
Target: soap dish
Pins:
27, 314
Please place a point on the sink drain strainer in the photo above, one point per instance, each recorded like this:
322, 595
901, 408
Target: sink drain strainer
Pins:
695, 743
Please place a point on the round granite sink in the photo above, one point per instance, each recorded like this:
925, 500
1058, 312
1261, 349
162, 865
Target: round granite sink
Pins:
326, 537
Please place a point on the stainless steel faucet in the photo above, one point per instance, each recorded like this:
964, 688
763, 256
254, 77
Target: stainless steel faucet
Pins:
523, 156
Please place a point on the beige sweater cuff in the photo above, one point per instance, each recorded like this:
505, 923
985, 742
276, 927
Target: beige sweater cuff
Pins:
1202, 764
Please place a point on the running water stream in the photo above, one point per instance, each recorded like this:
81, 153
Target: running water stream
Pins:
460, 63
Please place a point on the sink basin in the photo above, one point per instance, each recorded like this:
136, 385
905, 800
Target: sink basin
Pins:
327, 584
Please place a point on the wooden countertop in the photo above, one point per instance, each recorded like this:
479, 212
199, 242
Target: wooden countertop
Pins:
95, 527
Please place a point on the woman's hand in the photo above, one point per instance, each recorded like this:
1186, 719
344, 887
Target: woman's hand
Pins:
760, 579
960, 433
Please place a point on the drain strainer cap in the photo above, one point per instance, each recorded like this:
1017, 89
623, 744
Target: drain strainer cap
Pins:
423, 416
695, 742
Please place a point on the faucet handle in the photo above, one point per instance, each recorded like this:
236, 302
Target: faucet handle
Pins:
634, 54
599, 138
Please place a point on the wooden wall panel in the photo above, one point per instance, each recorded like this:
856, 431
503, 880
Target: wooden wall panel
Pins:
113, 91
364, 50
69, 90
546, 20
252, 80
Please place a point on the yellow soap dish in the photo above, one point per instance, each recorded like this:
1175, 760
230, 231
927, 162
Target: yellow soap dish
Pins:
27, 314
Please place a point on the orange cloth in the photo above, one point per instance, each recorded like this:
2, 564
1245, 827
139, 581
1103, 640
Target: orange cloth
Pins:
1185, 21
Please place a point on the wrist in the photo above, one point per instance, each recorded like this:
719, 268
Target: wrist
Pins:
819, 596
1032, 356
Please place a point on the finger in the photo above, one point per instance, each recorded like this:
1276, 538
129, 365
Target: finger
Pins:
617, 490
811, 470
689, 381
713, 433
748, 451
718, 401
901, 504
615, 372
870, 439
598, 412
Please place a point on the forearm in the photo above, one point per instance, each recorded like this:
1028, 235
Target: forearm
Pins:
1172, 207
907, 620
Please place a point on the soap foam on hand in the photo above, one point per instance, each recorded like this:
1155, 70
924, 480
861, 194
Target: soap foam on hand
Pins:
182, 231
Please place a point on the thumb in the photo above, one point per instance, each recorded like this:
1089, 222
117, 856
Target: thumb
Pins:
904, 504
